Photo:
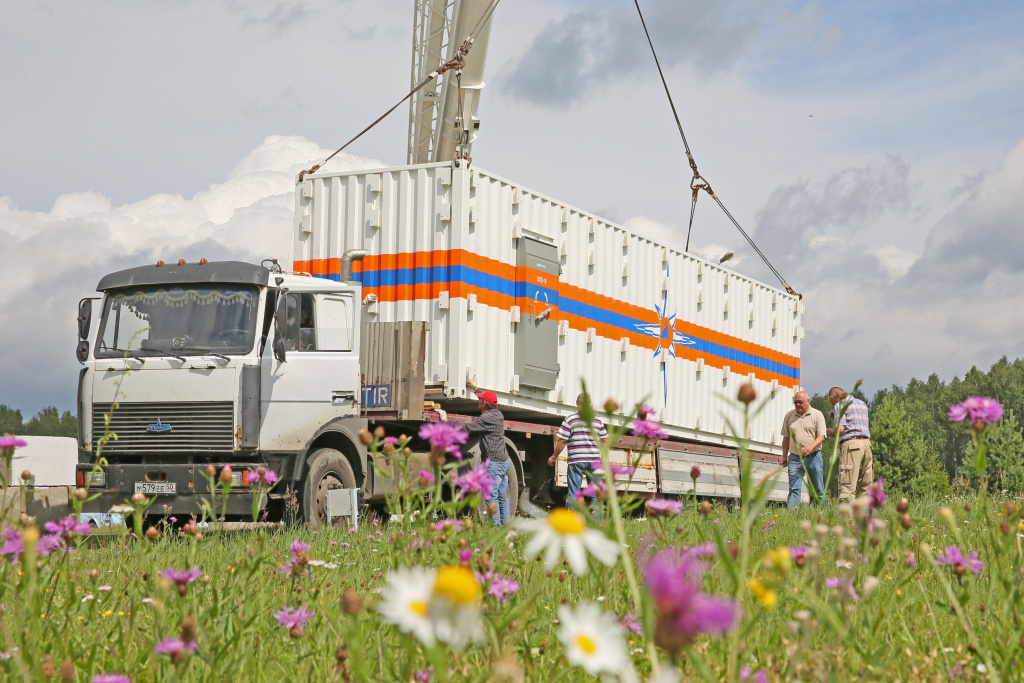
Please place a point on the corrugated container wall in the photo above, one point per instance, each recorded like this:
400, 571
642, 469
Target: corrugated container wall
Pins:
529, 297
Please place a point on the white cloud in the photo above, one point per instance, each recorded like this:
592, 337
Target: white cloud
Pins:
54, 258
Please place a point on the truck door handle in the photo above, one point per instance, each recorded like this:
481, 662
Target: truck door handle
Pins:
339, 397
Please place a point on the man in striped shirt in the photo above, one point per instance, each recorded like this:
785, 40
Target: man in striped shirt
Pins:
584, 454
856, 464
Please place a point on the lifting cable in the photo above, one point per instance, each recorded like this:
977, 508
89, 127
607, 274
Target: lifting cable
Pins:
698, 182
456, 63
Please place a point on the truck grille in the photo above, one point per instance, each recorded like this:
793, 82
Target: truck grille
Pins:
142, 427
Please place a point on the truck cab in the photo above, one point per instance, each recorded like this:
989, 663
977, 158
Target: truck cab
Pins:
220, 363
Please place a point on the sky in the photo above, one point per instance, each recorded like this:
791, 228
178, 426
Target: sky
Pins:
874, 151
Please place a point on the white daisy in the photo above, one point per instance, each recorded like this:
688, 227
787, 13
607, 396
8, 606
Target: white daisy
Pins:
442, 605
406, 601
595, 640
565, 529
455, 606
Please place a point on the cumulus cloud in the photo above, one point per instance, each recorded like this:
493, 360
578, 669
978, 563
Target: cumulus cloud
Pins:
879, 310
579, 51
54, 258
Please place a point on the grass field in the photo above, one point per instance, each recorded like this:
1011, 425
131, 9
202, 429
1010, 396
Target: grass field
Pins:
109, 619
733, 592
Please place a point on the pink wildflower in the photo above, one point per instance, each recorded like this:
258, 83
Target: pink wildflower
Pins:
476, 481
844, 585
877, 494
759, 676
299, 559
695, 472
976, 410
648, 429
707, 550
663, 507
444, 438
111, 678
631, 623
176, 647
674, 579
908, 559
644, 411
954, 557
49, 543
447, 525
67, 528
595, 487
422, 676
622, 471
294, 619
501, 588
13, 545
425, 477
182, 577
12, 442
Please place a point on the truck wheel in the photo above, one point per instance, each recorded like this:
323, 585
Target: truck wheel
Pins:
513, 489
328, 469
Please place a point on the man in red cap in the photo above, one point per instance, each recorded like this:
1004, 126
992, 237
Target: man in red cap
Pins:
491, 424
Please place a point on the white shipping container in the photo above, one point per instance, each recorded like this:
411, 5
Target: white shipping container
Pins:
530, 297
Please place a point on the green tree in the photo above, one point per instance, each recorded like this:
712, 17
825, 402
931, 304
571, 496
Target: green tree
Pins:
1005, 454
901, 454
50, 422
10, 420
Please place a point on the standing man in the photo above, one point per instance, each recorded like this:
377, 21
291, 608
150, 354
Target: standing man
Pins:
803, 430
584, 455
856, 463
491, 424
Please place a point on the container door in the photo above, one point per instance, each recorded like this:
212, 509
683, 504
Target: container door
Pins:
319, 381
536, 346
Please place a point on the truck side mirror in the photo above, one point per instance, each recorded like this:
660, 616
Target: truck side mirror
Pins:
84, 318
82, 351
280, 319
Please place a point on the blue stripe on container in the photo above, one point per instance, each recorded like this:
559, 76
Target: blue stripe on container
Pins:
476, 278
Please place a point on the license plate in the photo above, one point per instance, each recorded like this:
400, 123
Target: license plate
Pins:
156, 487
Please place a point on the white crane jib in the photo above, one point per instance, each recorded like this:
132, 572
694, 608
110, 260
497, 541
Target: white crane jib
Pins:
443, 116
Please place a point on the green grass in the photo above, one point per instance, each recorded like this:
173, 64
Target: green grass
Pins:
111, 619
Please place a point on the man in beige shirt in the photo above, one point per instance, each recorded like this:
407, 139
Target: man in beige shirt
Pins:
803, 430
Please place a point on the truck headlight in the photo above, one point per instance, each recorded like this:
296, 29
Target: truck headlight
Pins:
236, 477
94, 479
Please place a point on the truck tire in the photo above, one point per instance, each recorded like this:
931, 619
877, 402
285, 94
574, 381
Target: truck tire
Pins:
328, 469
513, 489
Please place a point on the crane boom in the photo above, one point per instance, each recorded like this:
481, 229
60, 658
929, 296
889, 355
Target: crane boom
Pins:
435, 126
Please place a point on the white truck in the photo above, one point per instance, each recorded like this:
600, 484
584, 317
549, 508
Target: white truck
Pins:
406, 286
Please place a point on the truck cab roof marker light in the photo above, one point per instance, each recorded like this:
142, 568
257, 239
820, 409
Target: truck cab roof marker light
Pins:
160, 263
182, 262
202, 261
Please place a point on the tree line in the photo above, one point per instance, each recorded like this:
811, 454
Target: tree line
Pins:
919, 452
916, 449
47, 422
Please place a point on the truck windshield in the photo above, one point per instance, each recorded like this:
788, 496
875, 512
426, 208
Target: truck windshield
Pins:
178, 321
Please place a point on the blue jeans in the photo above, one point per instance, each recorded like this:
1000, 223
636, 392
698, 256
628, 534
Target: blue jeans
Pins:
812, 463
499, 494
574, 475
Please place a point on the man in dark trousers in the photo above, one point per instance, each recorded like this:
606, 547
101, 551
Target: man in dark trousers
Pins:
491, 424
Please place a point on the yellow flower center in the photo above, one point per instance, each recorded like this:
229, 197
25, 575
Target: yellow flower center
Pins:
458, 584
566, 521
419, 607
586, 644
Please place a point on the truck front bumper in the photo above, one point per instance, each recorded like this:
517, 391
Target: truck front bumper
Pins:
191, 490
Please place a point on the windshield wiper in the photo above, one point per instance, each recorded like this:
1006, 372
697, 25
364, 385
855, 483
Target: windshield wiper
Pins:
162, 352
205, 352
